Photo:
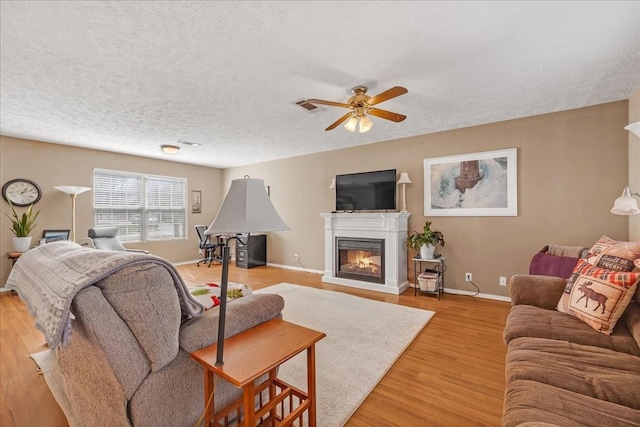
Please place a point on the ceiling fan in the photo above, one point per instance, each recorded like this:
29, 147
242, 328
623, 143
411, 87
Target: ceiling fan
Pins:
361, 105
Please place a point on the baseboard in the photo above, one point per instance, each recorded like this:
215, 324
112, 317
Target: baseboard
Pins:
291, 267
4, 289
308, 270
480, 295
193, 261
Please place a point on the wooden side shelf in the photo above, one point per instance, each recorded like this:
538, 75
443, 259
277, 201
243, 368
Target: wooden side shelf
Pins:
250, 355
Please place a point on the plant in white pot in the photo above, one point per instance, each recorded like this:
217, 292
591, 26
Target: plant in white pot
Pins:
426, 241
21, 226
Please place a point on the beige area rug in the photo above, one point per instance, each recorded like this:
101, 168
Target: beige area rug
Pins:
364, 339
48, 364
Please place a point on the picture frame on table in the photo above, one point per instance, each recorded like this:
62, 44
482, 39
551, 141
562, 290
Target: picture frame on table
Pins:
55, 235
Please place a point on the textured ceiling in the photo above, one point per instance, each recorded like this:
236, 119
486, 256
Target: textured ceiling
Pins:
130, 76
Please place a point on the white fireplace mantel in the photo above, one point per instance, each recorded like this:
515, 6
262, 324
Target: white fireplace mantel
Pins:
390, 226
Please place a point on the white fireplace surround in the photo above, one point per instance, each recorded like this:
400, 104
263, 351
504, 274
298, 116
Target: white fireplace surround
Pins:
390, 226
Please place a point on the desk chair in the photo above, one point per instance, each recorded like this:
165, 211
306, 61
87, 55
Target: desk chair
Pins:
212, 251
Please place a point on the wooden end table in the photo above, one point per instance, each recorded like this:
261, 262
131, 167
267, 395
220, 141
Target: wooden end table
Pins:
13, 256
252, 354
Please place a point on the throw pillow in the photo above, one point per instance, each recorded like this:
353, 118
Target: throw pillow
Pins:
544, 264
614, 255
209, 293
598, 296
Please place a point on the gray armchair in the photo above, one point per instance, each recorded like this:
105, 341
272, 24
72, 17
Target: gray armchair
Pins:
105, 238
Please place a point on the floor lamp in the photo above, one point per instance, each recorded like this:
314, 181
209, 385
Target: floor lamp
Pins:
73, 191
246, 209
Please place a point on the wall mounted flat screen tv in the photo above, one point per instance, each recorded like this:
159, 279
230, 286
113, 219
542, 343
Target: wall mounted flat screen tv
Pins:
366, 191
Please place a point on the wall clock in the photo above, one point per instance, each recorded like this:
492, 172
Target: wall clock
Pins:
21, 192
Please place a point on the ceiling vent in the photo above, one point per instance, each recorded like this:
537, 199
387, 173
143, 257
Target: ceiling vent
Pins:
303, 103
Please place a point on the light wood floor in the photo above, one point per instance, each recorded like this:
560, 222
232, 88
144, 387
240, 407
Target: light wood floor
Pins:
451, 375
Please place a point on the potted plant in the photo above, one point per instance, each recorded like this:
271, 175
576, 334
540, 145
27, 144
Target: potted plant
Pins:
21, 226
426, 241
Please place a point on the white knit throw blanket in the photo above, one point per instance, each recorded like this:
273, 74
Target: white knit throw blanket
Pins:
48, 277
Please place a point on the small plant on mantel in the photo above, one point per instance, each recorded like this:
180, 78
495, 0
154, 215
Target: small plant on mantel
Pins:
427, 238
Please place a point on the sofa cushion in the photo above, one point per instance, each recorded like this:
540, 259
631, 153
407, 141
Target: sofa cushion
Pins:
531, 321
145, 297
598, 296
596, 372
527, 401
614, 255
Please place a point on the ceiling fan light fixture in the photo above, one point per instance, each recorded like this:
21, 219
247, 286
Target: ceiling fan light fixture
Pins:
351, 124
365, 124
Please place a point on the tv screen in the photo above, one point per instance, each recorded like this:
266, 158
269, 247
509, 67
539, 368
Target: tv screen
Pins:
366, 191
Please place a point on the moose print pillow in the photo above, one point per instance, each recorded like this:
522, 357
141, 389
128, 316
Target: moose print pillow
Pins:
598, 296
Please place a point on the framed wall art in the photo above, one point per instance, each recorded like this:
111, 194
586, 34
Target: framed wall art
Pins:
196, 201
476, 184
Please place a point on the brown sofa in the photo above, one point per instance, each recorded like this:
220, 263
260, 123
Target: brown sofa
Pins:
560, 371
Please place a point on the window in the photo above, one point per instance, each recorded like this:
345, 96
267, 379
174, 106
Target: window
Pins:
143, 207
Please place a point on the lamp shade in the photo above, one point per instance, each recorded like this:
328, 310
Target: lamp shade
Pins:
634, 127
404, 178
351, 124
247, 208
625, 204
72, 189
365, 124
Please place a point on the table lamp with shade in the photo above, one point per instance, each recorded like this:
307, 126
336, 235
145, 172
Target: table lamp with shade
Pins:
246, 209
404, 180
73, 191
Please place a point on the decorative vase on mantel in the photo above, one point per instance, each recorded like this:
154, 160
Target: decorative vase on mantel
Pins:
21, 244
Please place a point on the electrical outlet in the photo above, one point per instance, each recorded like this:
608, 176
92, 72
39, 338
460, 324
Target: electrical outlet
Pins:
295, 257
468, 277
503, 281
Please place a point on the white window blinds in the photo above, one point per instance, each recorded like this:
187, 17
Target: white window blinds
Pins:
143, 207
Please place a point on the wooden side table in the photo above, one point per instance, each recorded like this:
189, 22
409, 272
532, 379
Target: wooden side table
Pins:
13, 256
252, 354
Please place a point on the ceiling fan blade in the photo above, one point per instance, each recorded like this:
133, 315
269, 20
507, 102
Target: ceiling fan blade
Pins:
383, 114
322, 102
339, 121
387, 94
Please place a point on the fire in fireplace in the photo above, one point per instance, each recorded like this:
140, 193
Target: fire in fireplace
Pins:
360, 259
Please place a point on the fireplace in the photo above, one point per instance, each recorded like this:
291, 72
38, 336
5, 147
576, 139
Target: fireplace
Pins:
360, 259
381, 239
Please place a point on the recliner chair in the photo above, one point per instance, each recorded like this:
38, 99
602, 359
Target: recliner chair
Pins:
104, 238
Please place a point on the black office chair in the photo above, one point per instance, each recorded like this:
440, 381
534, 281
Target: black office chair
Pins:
212, 251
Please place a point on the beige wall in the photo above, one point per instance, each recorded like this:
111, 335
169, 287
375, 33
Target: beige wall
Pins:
571, 167
634, 163
53, 164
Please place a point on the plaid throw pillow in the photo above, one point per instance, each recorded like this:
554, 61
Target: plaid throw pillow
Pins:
598, 296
